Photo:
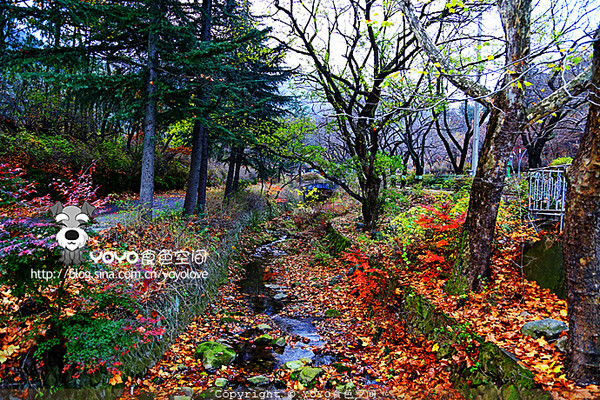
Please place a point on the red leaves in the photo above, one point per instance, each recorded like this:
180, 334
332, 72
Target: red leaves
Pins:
431, 258
369, 281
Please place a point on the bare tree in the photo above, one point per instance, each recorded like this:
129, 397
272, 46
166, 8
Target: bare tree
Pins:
454, 127
374, 45
564, 122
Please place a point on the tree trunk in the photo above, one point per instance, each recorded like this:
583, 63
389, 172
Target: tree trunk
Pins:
371, 206
147, 178
202, 131
238, 165
581, 249
534, 156
230, 173
507, 121
203, 179
191, 194
472, 266
418, 169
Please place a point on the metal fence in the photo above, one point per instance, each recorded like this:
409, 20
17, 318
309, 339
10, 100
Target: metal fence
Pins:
547, 190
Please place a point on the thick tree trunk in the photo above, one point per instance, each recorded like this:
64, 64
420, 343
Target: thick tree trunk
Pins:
147, 178
191, 194
507, 121
581, 249
371, 206
472, 266
534, 156
418, 169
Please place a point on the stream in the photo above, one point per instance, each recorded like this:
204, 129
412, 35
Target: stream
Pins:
270, 299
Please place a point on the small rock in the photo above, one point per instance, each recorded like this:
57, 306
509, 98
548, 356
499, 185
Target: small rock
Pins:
510, 393
280, 296
377, 235
561, 344
547, 328
335, 280
259, 380
186, 391
332, 312
181, 367
264, 327
211, 393
346, 387
263, 339
214, 355
352, 270
294, 365
221, 382
178, 397
524, 314
274, 287
279, 342
309, 374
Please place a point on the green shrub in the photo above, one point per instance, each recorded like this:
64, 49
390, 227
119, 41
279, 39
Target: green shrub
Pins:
118, 169
394, 202
561, 161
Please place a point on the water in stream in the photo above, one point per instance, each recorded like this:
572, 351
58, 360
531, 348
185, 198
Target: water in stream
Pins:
270, 299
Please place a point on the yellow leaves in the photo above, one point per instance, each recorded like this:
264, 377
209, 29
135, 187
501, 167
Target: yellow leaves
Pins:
435, 347
557, 369
542, 367
490, 57
116, 379
163, 374
563, 313
365, 341
7, 351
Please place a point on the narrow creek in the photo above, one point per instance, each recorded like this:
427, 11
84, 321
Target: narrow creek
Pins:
265, 297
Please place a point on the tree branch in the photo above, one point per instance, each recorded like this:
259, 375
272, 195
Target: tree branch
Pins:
471, 88
560, 97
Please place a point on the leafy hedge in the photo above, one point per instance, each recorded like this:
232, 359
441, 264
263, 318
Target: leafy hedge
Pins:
118, 168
